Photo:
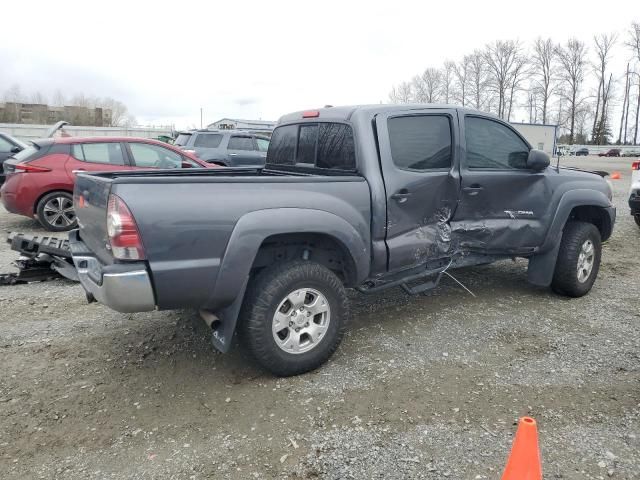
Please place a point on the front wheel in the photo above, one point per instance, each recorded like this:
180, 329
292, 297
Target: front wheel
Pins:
578, 259
294, 316
55, 212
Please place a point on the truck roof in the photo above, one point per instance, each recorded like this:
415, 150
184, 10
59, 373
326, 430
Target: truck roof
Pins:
344, 113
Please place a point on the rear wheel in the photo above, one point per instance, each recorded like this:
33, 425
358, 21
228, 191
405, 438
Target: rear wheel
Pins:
294, 317
578, 259
55, 212
637, 219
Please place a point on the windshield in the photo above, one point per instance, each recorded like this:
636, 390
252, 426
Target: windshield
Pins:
182, 139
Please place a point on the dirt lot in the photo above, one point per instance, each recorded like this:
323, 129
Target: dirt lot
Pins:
422, 387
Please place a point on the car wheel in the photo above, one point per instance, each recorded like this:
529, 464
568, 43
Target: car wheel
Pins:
637, 219
55, 212
578, 259
294, 316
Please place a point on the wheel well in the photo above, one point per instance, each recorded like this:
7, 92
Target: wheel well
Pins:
596, 215
318, 247
35, 205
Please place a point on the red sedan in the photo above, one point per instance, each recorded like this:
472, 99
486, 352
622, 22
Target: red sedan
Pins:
39, 180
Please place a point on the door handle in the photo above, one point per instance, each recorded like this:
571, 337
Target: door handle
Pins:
401, 196
474, 189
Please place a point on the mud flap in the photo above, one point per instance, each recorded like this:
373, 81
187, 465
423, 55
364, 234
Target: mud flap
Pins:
542, 266
224, 326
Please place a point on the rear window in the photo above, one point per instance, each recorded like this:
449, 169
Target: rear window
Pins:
207, 140
321, 145
182, 139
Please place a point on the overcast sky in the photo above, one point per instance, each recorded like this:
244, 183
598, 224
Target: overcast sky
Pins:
249, 59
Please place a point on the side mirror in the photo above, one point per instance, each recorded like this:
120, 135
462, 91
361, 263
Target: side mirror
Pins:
15, 149
537, 160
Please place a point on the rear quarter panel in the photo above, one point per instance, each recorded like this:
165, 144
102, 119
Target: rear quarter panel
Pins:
186, 225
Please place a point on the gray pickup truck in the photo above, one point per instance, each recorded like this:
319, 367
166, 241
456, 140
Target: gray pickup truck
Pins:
367, 197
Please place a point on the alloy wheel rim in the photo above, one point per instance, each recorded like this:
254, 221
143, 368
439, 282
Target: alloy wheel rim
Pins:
59, 212
586, 259
301, 321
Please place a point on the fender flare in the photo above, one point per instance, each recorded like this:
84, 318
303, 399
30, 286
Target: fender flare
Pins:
542, 264
254, 227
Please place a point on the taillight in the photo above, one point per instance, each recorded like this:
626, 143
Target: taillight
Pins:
122, 231
635, 165
26, 167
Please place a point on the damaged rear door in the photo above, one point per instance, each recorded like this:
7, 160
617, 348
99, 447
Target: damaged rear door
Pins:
419, 161
502, 203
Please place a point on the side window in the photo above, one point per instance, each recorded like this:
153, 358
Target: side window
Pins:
420, 142
282, 147
336, 148
5, 146
263, 144
207, 140
240, 143
110, 153
154, 156
492, 145
307, 139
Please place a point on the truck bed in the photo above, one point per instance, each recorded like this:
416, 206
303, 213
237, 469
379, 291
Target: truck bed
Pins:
186, 218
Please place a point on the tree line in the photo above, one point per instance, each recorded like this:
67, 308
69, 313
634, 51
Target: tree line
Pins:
120, 116
552, 82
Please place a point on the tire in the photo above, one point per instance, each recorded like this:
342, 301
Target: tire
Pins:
568, 280
270, 291
55, 212
637, 219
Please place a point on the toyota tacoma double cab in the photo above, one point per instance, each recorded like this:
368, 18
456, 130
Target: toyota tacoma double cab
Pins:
366, 197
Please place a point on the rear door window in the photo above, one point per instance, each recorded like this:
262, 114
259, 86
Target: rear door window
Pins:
240, 143
263, 144
208, 140
420, 142
108, 153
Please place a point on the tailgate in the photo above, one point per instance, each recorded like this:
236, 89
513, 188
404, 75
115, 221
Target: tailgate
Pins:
90, 198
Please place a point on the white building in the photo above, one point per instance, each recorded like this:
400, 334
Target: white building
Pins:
255, 126
541, 137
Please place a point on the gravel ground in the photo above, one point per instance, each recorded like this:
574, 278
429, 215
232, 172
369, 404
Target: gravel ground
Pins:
422, 387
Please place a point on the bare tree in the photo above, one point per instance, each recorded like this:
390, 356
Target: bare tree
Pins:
38, 98
544, 68
518, 74
572, 58
603, 46
448, 81
625, 108
633, 43
505, 65
58, 99
14, 94
462, 75
401, 94
428, 86
119, 112
478, 80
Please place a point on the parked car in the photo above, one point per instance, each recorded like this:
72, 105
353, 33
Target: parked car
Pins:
631, 153
8, 146
634, 192
227, 148
369, 197
581, 152
40, 178
613, 152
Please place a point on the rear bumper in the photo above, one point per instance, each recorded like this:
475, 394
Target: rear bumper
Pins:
123, 287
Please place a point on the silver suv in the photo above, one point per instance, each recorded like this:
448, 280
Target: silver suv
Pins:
228, 148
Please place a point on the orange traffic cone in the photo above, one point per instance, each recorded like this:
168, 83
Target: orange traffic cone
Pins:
615, 176
524, 461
